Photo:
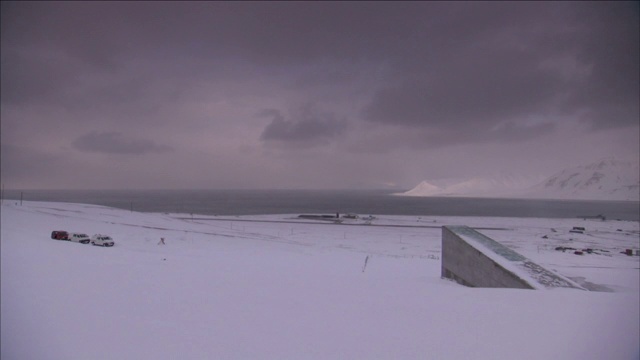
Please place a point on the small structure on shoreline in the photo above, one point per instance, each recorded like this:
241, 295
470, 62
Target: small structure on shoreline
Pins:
599, 216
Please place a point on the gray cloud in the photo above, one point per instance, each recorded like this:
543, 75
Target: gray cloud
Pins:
308, 128
21, 164
517, 132
479, 91
610, 92
117, 143
518, 66
385, 78
389, 138
508, 133
449, 62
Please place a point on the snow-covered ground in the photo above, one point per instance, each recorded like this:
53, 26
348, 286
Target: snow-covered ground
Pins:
277, 287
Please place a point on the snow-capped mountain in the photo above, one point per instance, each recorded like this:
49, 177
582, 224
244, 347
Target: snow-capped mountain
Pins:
606, 179
424, 189
498, 186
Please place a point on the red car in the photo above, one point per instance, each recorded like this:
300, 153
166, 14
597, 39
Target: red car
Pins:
60, 235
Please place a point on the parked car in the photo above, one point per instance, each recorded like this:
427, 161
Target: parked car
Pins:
60, 235
79, 237
102, 240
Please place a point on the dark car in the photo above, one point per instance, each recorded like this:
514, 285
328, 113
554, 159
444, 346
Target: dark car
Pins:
60, 235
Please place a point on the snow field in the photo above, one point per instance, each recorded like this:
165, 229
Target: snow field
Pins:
234, 289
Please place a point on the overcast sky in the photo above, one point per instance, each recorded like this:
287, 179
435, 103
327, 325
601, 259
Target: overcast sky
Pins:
203, 95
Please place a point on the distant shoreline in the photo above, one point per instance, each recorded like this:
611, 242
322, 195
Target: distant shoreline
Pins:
507, 197
363, 202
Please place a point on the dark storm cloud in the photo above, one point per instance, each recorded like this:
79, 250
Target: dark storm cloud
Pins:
120, 61
308, 128
117, 143
522, 64
449, 63
612, 48
496, 87
388, 75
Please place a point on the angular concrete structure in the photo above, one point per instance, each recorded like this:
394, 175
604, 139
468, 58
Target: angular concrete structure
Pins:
473, 259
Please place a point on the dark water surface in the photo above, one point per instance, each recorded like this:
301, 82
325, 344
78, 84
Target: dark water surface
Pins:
364, 202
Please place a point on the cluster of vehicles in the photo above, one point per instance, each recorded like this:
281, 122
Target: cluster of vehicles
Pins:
97, 239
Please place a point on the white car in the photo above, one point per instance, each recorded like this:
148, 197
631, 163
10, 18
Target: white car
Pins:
102, 240
79, 237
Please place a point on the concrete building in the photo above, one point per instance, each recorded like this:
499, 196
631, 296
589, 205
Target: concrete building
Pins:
473, 259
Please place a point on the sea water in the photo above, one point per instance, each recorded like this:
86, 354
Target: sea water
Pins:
362, 202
